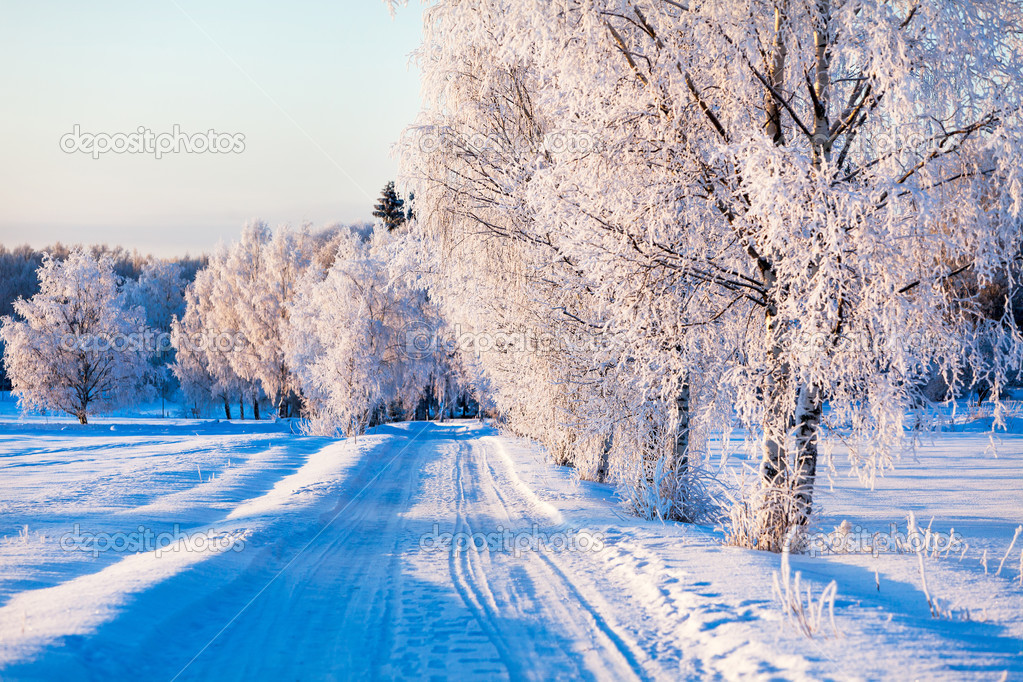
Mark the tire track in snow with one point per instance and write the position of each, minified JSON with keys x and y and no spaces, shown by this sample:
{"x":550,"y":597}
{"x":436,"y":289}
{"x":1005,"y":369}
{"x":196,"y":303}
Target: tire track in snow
{"x":613,"y":636}
{"x":562,"y":603}
{"x":474,"y":591}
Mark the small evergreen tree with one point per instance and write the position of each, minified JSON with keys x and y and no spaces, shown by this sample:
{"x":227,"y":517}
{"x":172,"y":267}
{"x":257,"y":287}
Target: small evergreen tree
{"x":390,"y":208}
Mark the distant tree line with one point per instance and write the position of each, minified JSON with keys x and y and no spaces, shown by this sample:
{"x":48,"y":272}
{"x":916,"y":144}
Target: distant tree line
{"x":310,"y":323}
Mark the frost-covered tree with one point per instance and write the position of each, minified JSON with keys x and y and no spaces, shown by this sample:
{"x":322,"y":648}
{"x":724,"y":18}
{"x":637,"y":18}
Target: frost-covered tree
{"x":556,"y":367}
{"x":238,"y":307}
{"x":202,"y":354}
{"x":160,"y":291}
{"x":262,"y":273}
{"x":75,"y":347}
{"x":349,"y":334}
{"x":753,"y":194}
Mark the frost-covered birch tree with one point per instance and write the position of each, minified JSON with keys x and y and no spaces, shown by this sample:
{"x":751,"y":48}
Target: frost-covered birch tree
{"x":348,"y":338}
{"x":238,"y":307}
{"x":75,"y":347}
{"x":160,"y":291}
{"x":260,"y":278}
{"x":756,"y":193}
{"x":203,"y":340}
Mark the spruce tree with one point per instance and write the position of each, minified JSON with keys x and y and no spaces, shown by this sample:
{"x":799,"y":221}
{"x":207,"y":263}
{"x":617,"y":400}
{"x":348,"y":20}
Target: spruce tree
{"x":390,"y":208}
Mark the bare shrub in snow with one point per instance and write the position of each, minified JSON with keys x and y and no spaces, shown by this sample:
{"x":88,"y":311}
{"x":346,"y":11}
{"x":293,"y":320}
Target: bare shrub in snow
{"x":802,"y":609}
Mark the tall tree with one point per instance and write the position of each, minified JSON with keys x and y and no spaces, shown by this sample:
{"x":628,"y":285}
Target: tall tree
{"x":751,"y":193}
{"x":204,"y":341}
{"x":348,"y":340}
{"x":239,"y":307}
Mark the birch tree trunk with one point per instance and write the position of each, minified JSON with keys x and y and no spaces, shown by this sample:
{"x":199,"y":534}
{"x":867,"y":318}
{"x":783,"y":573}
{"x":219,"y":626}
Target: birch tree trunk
{"x":776,"y":76}
{"x":680,"y":459}
{"x":788,"y":469}
{"x":604,"y":461}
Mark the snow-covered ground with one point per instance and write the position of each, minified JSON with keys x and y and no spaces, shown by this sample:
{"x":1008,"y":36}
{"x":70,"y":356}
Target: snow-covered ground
{"x":448,"y":551}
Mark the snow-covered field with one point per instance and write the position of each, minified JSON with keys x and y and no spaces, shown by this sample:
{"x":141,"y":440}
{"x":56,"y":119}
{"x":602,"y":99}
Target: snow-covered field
{"x":447,"y":551}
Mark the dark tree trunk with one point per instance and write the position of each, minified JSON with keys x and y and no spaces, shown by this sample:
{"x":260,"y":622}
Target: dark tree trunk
{"x":791,"y":423}
{"x":604,"y":463}
{"x":680,"y":463}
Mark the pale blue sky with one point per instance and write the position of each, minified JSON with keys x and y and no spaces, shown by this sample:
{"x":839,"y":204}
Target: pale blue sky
{"x":320,"y":90}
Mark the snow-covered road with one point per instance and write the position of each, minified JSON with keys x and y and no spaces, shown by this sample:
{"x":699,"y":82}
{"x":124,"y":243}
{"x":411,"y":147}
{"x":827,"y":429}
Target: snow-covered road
{"x":419,"y":551}
{"x":394,"y":579}
{"x":367,"y":596}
